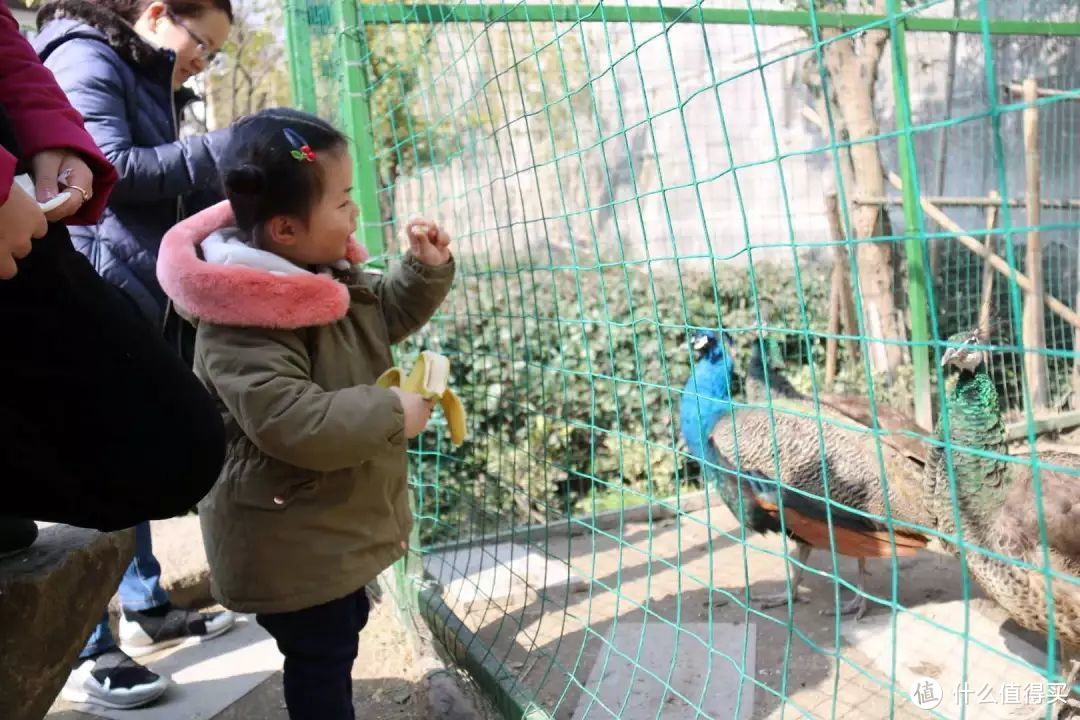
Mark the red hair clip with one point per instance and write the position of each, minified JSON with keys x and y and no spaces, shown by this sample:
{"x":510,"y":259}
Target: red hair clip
{"x":301,"y":150}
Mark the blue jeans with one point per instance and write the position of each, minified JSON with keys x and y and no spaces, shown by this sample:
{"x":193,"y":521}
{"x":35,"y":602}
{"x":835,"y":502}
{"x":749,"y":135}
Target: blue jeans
{"x":140,"y":589}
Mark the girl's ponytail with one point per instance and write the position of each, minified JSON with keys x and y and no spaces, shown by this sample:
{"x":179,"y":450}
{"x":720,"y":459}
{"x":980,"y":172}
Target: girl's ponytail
{"x":245,"y":179}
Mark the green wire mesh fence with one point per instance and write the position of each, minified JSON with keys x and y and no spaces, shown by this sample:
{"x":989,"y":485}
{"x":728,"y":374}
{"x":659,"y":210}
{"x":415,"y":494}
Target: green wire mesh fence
{"x":842,"y":187}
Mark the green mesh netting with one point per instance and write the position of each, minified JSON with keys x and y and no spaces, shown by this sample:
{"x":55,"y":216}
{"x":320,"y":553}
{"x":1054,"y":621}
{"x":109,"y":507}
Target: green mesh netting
{"x":617,"y":177}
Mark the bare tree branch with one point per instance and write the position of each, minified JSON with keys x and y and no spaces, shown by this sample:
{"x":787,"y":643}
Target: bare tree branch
{"x":875,"y":46}
{"x":871,"y":56}
{"x":837,"y":53}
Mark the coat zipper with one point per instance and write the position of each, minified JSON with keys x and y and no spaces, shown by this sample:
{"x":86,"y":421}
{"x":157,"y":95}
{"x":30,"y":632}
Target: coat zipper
{"x":175,"y":124}
{"x":175,"y":121}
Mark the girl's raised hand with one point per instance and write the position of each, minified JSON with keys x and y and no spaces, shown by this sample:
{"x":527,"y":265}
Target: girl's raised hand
{"x":428,"y":242}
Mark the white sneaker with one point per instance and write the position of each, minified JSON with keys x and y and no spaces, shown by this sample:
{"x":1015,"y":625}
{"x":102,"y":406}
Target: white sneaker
{"x":145,"y":633}
{"x":113,"y":680}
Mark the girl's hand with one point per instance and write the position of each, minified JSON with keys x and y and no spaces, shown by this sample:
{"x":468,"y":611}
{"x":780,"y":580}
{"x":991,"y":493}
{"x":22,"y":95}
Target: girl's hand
{"x":21,"y":220}
{"x":428,"y":242}
{"x":417,"y":411}
{"x":57,"y":170}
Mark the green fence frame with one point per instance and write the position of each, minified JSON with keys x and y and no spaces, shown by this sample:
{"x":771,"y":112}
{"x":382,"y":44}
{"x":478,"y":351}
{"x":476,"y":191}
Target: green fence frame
{"x":452,"y":632}
{"x":358,"y":123}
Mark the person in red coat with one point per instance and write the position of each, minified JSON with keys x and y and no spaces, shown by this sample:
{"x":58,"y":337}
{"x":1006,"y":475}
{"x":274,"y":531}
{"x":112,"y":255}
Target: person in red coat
{"x":101,"y":423}
{"x":52,"y":139}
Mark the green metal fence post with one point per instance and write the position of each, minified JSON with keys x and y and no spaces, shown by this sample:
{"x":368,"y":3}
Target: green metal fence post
{"x":298,"y":46}
{"x":431,"y":13}
{"x":358,"y":128}
{"x":913,"y":246}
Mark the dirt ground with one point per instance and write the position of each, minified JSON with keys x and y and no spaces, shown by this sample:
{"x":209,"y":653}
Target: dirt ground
{"x":664,"y":572}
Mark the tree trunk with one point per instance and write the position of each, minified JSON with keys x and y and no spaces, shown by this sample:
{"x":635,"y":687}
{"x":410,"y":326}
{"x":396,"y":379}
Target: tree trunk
{"x":853,"y":76}
{"x":1076,"y":357}
{"x":387,"y":209}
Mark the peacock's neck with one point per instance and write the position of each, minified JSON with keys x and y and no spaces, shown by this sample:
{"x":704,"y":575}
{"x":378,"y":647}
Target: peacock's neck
{"x":706,"y":402}
{"x":728,"y":488}
{"x":982,"y":482}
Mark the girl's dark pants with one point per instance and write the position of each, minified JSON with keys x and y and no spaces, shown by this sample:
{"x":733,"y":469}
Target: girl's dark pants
{"x":320,"y":644}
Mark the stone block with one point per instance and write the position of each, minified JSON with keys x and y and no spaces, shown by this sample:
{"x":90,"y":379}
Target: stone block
{"x":51,"y":596}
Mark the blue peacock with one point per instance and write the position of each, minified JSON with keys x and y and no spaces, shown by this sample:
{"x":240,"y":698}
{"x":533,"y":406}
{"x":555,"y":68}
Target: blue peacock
{"x":739,"y":440}
{"x":896,"y":429}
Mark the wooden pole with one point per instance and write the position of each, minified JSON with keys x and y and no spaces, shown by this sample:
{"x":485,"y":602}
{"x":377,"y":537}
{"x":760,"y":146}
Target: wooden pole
{"x":846,"y":307}
{"x":1054,"y":423}
{"x":1034,"y":311}
{"x":1063,"y":311}
{"x":1018,"y":89}
{"x":936,"y":246}
{"x":973,"y":201}
{"x":834,"y":326}
{"x":832,"y":210}
{"x":1076,"y":358}
{"x":848,"y":322}
{"x":986,"y":297}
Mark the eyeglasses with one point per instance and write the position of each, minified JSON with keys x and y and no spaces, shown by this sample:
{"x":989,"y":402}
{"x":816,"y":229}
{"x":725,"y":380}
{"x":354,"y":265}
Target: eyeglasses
{"x":200,"y":44}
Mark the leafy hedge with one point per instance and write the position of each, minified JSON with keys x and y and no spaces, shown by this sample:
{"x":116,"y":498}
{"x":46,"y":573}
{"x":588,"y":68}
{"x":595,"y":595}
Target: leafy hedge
{"x":571,"y":380}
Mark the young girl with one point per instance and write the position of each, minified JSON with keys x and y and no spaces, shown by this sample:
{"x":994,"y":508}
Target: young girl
{"x":312,"y":501}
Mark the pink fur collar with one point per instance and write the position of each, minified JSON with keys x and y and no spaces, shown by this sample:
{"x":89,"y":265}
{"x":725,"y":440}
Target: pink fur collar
{"x":244,"y":296}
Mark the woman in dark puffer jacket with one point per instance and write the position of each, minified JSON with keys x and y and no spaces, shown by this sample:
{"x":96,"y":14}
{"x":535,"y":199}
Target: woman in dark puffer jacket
{"x":122,"y":64}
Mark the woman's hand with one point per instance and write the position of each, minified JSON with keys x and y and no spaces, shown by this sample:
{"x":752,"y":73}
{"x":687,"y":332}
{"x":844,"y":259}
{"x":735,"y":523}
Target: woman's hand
{"x":428,"y":242}
{"x":21,"y":220}
{"x":57,"y":170}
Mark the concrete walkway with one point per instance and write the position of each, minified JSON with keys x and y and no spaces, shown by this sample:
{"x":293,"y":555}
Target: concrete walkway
{"x":207,"y":677}
{"x":237,"y":677}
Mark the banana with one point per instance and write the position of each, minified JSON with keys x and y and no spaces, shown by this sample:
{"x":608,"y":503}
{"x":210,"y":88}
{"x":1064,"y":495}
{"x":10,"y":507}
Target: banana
{"x":428,"y":379}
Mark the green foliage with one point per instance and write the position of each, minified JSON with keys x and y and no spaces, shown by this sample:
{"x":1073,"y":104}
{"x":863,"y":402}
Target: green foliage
{"x":407,"y":134}
{"x":572,"y":382}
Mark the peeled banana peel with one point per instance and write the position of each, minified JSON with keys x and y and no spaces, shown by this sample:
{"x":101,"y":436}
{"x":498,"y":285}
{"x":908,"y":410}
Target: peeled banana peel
{"x":428,"y":379}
